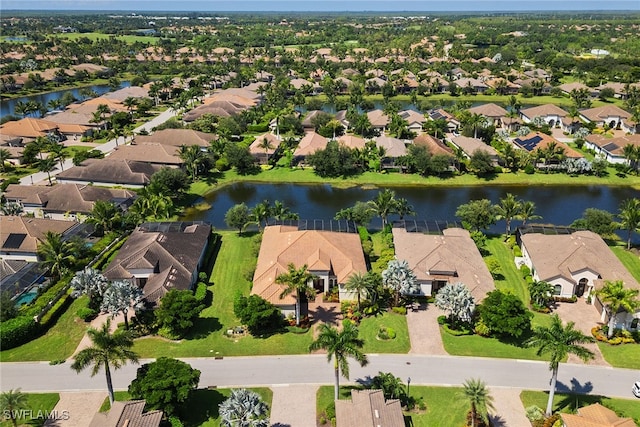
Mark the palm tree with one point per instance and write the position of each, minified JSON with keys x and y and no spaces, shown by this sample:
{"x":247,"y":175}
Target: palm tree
{"x":107,"y":350}
{"x":11,"y":403}
{"x":559,"y":341}
{"x":384,"y":204}
{"x":56,"y":255}
{"x":266,"y":145}
{"x":192,"y":157}
{"x":475,"y":391}
{"x":261,"y":212}
{"x":630,"y":218}
{"x":47,"y":165}
{"x":527,"y":211}
{"x":340,"y":345}
{"x":106,"y":216}
{"x":244,"y":408}
{"x":403,"y":207}
{"x":296,"y":281}
{"x":615,"y":297}
{"x":4,"y":156}
{"x":508,"y":209}
{"x":358,"y":283}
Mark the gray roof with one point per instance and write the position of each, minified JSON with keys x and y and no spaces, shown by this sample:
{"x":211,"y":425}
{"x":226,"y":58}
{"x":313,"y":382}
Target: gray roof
{"x":368,"y":408}
{"x":116,"y":172}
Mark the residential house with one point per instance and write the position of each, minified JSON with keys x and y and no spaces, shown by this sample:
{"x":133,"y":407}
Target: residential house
{"x":368,"y":408}
{"x":65,"y":202}
{"x":448,"y":257}
{"x":14,"y":145}
{"x":414,"y":120}
{"x":21,"y":235}
{"x":574,"y":264}
{"x":470,"y":145}
{"x":378,"y":119}
{"x":541,"y":141}
{"x":120,"y":95}
{"x":30,"y":128}
{"x":611,"y":115}
{"x":612,"y":149}
{"x":434,"y":145}
{"x":330,"y":255}
{"x":567,"y":88}
{"x":553,"y":115}
{"x":341,"y":116}
{"x":161,"y":256}
{"x":307,"y":123}
{"x":472,"y":85}
{"x":262,"y":153}
{"x":127,"y":414}
{"x":309,"y":144}
{"x":178,"y":138}
{"x":393,"y":148}
{"x":595,"y":415}
{"x":452,"y":123}
{"x":109,"y":172}
{"x":149,"y":152}
{"x":491,"y":111}
{"x":351,"y":141}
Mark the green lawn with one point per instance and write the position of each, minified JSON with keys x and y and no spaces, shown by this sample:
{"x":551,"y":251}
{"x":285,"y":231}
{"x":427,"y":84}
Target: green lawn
{"x":569,"y":402}
{"x":621,"y":356}
{"x":96,"y":36}
{"x":59,"y":342}
{"x":201,"y":409}
{"x":369,"y":329}
{"x":40,"y":404}
{"x":207,"y":337}
{"x":477,"y":346}
{"x":630,"y":260}
{"x":444,"y":408}
{"x":511,"y":280}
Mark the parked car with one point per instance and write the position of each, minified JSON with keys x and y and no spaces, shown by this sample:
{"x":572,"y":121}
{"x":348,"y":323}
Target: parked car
{"x":636,"y":389}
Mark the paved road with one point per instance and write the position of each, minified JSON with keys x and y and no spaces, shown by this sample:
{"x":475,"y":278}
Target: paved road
{"x":107,"y":147}
{"x":314,"y":369}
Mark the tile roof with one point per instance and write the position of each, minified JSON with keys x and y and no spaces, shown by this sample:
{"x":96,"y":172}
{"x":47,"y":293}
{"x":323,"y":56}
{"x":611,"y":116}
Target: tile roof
{"x":596,"y":415}
{"x":178,"y":137}
{"x":614,"y":145}
{"x":148,"y":152}
{"x":352,"y":141}
{"x":378,"y":118}
{"x":540,"y":141}
{"x":110,"y":171}
{"x":127,"y":414}
{"x":28,"y":127}
{"x":33,"y":231}
{"x":470,"y":145}
{"x":393,"y":147}
{"x":605,"y":112}
{"x":543,"y":111}
{"x":310,"y":143}
{"x":319,"y":250}
{"x":453,"y":253}
{"x":489,"y":110}
{"x":368,"y":408}
{"x":561,"y":255}
{"x":255,"y":148}
{"x":433,"y":144}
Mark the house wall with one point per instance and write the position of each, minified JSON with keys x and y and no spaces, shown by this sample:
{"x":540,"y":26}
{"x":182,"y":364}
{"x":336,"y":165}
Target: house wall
{"x":623,"y":321}
{"x":21,"y":256}
{"x":567,"y":287}
{"x":103,"y":184}
{"x":611,"y":158}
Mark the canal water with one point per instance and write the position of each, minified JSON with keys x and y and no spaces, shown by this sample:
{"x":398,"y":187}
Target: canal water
{"x":559,"y":205}
{"x":8,"y":106}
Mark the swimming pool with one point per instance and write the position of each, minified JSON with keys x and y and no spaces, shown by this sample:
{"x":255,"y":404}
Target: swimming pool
{"x":26,"y":297}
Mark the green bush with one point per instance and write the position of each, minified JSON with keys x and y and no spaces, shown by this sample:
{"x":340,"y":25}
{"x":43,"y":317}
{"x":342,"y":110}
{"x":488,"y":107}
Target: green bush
{"x":456,"y":332}
{"x":482,"y":329}
{"x":525,"y":271}
{"x":442,"y":320}
{"x":87,"y":314}
{"x":260,"y":127}
{"x":517,"y":251}
{"x":201,"y":292}
{"x":17,"y":331}
{"x":529,"y":169}
{"x":399,"y":310}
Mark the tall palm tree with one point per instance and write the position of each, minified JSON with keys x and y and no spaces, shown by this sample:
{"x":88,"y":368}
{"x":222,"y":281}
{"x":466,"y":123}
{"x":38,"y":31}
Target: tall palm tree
{"x":261,"y":212}
{"x":384,"y":204}
{"x":47,"y":165}
{"x":339,"y":346}
{"x":403,"y":208}
{"x":559,"y":341}
{"x":527,"y":211}
{"x":11,"y":402}
{"x":56,"y":255}
{"x":296,"y":281}
{"x":193,"y":158}
{"x":4,"y":156}
{"x":508,"y":209}
{"x":266,"y":145}
{"x":615,"y":297}
{"x":475,"y":391}
{"x":358,"y":283}
{"x":106,"y":216}
{"x":107,"y":350}
{"x":629,"y":215}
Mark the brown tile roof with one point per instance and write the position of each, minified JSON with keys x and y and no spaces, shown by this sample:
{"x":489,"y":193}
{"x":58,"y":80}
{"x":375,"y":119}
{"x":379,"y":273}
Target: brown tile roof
{"x":319,"y":250}
{"x":596,"y":415}
{"x":127,"y":92}
{"x":368,"y":408}
{"x":148,"y":152}
{"x":378,"y":118}
{"x":80,"y":197}
{"x":33,"y":229}
{"x":172,"y":255}
{"x":351,"y":141}
{"x":393,"y":147}
{"x":255,"y":148}
{"x":489,"y":110}
{"x":614,"y":145}
{"x":28,"y":127}
{"x":412,"y":116}
{"x":452,"y":252}
{"x":543,"y":141}
{"x":27,"y":194}
{"x":560,"y":255}
{"x":543,"y":111}
{"x":178,"y":137}
{"x":310,"y":143}
{"x":127,"y":414}
{"x":110,"y":171}
{"x":433,"y":144}
{"x":604,"y":113}
{"x":470,"y":145}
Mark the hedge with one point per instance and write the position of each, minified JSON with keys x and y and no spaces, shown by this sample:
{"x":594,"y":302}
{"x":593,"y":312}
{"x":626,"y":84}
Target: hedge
{"x":201,"y":292}
{"x":17,"y":331}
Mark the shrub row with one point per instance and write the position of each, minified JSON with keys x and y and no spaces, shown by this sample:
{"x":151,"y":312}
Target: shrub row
{"x":17,"y":331}
{"x":201,"y":292}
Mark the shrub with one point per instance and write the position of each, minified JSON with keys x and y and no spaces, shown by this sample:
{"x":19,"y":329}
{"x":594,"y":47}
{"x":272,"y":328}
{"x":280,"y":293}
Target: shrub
{"x":529,"y":169}
{"x":517,"y":251}
{"x":399,"y":310}
{"x":534,"y":413}
{"x":86,"y":314}
{"x":442,"y":320}
{"x":385,"y":333}
{"x":482,"y":329}
{"x":260,"y":316}
{"x":525,"y":271}
{"x":201,"y":292}
{"x":17,"y":331}
{"x":456,"y":332}
{"x":511,"y":241}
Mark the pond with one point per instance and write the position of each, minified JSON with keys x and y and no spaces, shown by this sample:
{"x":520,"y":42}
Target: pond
{"x":559,"y":205}
{"x":8,"y":106}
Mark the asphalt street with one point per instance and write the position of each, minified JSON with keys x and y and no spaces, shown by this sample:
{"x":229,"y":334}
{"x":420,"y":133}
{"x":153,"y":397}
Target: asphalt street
{"x":314,"y":369}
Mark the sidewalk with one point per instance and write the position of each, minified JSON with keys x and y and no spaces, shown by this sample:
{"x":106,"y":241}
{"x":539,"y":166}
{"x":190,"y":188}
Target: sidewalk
{"x":76,"y":409}
{"x":508,"y":410}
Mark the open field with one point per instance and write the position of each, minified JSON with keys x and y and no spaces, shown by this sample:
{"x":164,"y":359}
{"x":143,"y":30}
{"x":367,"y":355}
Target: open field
{"x":96,"y":36}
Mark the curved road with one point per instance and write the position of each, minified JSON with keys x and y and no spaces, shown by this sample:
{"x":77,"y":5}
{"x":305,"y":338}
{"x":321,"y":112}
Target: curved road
{"x":314,"y":369}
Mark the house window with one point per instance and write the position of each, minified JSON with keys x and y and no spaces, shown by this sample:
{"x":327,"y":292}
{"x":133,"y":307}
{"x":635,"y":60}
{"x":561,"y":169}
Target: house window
{"x":634,"y":323}
{"x":557,"y":289}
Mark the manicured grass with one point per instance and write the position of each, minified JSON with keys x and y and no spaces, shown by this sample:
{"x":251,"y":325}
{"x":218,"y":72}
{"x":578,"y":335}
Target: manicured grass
{"x":58,"y":343}
{"x":568,"y":403}
{"x":96,"y":36}
{"x":621,"y":356}
{"x":477,"y":346}
{"x":72,"y":150}
{"x":201,"y":409}
{"x":40,"y":405}
{"x":444,"y":407}
{"x":207,"y":337}
{"x":369,"y":329}
{"x":511,"y":279}
{"x":629,"y":259}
